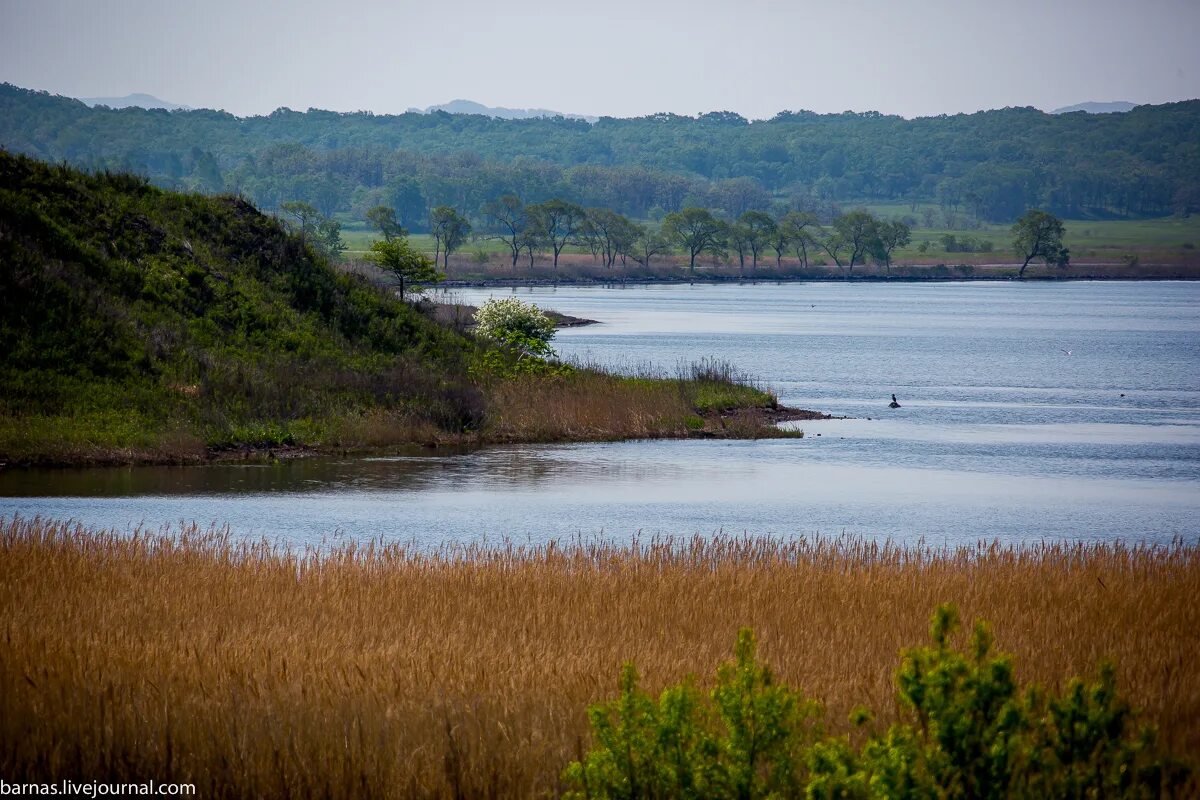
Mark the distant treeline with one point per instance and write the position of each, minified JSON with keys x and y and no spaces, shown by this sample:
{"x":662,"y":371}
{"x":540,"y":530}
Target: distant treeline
{"x":993,"y":165}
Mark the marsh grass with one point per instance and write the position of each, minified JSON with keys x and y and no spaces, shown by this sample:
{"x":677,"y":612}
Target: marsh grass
{"x":587,"y":402}
{"x":587,"y":405}
{"x":380,"y":670}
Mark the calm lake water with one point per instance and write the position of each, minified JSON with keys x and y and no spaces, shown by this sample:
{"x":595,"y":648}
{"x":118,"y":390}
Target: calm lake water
{"x":1002,"y":433}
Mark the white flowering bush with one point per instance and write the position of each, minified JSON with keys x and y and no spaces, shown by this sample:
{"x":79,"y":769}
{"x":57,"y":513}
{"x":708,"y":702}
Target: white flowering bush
{"x":522,"y":326}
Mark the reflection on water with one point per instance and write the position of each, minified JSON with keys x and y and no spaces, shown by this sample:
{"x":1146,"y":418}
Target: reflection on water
{"x":1001,"y":432}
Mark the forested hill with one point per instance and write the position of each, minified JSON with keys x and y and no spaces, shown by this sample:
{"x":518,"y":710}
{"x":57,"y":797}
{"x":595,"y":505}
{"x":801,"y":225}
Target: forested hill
{"x":128,"y":312}
{"x":995,"y":163}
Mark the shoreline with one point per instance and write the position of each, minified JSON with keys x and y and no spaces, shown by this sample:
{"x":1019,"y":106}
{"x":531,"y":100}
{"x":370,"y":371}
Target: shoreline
{"x":662,"y":280}
{"x":749,"y":423}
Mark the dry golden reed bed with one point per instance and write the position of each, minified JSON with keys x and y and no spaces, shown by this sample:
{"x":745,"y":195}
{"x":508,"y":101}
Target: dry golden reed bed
{"x":381,"y":672}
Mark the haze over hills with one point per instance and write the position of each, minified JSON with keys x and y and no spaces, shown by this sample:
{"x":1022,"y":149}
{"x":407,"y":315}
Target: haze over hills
{"x":462,"y":106}
{"x":1092,"y":107}
{"x":138,"y":99}
{"x":500,"y":112}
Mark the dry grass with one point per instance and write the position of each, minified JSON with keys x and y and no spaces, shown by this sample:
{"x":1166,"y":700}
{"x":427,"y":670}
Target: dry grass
{"x":587,"y":405}
{"x":380,"y":428}
{"x":381,"y":672}
{"x":590,"y":403}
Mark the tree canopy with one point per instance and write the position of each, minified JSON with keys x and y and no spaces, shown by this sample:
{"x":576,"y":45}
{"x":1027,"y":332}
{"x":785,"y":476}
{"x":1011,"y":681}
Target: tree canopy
{"x":992,"y":164}
{"x":1039,"y":235}
{"x":450,"y":230}
{"x":401,"y":261}
{"x":697,"y":231}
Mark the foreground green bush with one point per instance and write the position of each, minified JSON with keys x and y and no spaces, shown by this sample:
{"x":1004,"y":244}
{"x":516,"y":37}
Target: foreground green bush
{"x":971,"y":732}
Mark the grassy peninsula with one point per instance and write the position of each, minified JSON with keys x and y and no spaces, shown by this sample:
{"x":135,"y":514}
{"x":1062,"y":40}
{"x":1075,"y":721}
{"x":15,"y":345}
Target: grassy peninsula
{"x":138,"y":324}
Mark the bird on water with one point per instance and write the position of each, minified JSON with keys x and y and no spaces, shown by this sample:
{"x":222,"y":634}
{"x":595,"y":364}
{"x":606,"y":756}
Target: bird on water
{"x":893,"y":404}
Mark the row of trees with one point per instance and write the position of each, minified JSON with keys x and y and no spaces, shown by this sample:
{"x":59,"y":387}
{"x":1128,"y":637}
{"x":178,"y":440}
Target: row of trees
{"x":849,"y":240}
{"x":552,"y":226}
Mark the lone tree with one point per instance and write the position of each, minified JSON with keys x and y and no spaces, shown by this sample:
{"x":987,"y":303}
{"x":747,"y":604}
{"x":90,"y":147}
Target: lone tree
{"x":304,"y":217}
{"x":316,"y":230}
{"x":796,"y":229}
{"x":403,"y":262}
{"x":557,"y":223}
{"x":506,"y":219}
{"x":696,"y":230}
{"x":739,"y":237}
{"x":450,"y":229}
{"x":891,"y":236}
{"x":647,"y":244}
{"x":384,"y":219}
{"x":761,"y":231}
{"x":1038,"y":234}
{"x":859,"y":232}
{"x":608,"y":234}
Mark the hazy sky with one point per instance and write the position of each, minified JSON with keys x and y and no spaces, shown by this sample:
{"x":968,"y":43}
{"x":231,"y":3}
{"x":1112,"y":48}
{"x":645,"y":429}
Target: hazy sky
{"x":613,"y":57}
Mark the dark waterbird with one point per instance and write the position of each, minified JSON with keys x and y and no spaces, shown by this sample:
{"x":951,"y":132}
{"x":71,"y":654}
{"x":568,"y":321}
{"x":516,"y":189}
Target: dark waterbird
{"x":893,"y":404}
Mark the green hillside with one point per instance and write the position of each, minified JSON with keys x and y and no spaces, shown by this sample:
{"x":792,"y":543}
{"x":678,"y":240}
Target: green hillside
{"x":991,"y":164}
{"x":143,"y":324}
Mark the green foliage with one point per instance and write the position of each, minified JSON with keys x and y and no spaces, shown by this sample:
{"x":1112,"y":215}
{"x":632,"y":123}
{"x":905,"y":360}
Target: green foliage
{"x":972,"y":732}
{"x":856,"y":234}
{"x":383,"y":218}
{"x":555,"y":222}
{"x":507,"y":220}
{"x":510,"y":364}
{"x":964,"y":244}
{"x":761,"y":231}
{"x":647,"y":244}
{"x":607,"y":234}
{"x":194,"y":314}
{"x":400,"y":260}
{"x":890,"y":236}
{"x":993,"y":164}
{"x":1038,"y":234}
{"x":744,"y":739}
{"x":797,"y":229}
{"x":517,"y":325}
{"x":697,"y":231}
{"x":323,"y":234}
{"x":450,"y":230}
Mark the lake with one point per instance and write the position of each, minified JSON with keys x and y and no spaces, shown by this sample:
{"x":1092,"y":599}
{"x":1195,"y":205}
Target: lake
{"x":1028,"y":412}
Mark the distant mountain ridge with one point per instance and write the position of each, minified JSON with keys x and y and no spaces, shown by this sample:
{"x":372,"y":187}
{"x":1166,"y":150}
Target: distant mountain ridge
{"x":462,"y":106}
{"x":1111,"y":107}
{"x":471,"y":107}
{"x":138,"y":99}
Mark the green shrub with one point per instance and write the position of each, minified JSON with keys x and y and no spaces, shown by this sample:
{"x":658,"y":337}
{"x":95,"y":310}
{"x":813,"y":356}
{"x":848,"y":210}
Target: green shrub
{"x":745,"y":741}
{"x":970,"y":732}
{"x":523,"y":327}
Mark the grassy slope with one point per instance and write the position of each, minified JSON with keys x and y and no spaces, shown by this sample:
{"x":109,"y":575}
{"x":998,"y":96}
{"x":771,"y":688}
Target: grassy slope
{"x":138,"y":324}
